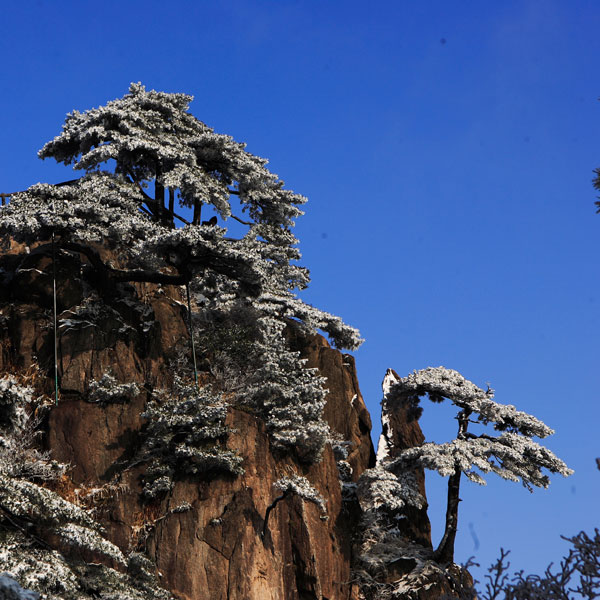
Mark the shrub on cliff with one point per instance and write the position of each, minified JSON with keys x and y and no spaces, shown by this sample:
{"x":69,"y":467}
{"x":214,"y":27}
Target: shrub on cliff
{"x":49,"y":544}
{"x":183,"y":435}
{"x":19,"y":455}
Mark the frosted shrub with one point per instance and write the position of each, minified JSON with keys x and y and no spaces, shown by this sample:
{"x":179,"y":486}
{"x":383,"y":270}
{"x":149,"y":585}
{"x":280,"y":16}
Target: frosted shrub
{"x":107,"y":390}
{"x":290,"y":397}
{"x":184,"y":435}
{"x":380,"y":489}
{"x":51,"y":513}
{"x":14,"y":399}
{"x":227,"y":337}
{"x":293,"y":485}
{"x":384,"y":499}
{"x":341,"y":449}
{"x":301,"y":487}
{"x":19,"y":456}
{"x":249,"y":354}
{"x":53,"y":576}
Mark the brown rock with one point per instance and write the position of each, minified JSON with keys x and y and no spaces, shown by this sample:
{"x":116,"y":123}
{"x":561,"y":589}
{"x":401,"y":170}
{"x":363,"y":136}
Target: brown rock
{"x":399,"y":432}
{"x":219,"y":552}
{"x":214,"y":550}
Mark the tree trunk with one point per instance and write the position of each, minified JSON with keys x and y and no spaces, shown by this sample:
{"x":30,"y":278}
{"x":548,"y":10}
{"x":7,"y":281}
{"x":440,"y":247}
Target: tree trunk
{"x":171,"y":215}
{"x":197,"y":212}
{"x":159,"y":195}
{"x":445,"y":551}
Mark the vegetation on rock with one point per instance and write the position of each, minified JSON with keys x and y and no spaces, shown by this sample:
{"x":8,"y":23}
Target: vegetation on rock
{"x":182,"y":435}
{"x":47,"y":543}
{"x":145,"y":159}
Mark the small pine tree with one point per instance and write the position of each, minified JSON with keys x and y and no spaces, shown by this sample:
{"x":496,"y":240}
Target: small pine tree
{"x":19,"y":435}
{"x":290,"y":398}
{"x":512,"y":455}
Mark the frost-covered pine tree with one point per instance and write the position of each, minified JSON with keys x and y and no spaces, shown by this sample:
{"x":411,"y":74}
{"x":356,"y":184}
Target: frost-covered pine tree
{"x":149,"y":140}
{"x":145,"y":156}
{"x":513,"y":454}
{"x":145,"y":159}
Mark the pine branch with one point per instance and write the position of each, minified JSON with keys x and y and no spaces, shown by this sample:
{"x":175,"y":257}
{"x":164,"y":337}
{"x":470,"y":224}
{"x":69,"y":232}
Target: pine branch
{"x":241,"y":221}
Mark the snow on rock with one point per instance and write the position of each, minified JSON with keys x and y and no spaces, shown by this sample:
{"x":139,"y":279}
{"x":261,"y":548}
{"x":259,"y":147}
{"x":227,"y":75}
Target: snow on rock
{"x":383,"y":446}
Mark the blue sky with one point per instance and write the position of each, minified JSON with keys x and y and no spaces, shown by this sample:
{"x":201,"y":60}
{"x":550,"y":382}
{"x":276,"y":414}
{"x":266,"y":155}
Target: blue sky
{"x":447,"y":152}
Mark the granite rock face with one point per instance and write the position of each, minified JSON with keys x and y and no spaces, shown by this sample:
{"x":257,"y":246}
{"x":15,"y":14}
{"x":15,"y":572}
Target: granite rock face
{"x":215,"y":550}
{"x":204,"y":537}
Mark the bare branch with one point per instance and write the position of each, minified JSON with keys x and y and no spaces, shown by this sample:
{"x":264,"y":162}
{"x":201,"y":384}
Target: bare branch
{"x":241,"y":221}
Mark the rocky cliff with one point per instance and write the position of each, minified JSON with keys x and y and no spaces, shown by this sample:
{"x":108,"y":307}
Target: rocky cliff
{"x":204,"y":539}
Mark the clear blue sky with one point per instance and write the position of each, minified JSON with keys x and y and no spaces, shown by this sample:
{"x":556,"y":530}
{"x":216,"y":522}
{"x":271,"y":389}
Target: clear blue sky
{"x":446,"y":149}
